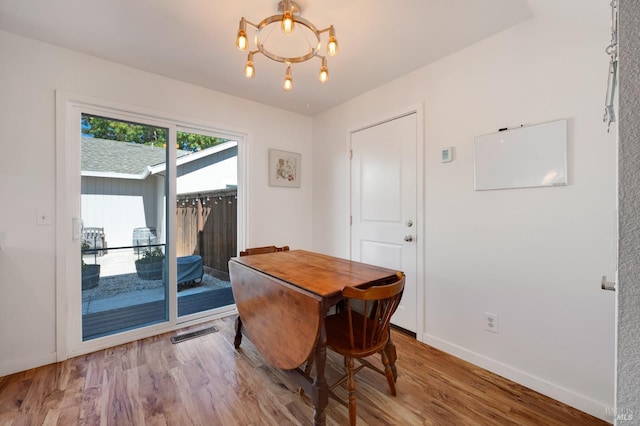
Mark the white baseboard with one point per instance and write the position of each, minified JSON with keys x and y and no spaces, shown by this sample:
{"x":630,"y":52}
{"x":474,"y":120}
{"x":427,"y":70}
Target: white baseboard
{"x":25,"y":363}
{"x":549,"y":389}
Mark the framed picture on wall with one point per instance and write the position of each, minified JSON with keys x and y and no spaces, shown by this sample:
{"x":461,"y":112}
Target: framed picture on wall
{"x":284,"y":168}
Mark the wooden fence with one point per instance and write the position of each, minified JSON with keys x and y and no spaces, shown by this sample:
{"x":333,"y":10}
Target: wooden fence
{"x":208,"y":226}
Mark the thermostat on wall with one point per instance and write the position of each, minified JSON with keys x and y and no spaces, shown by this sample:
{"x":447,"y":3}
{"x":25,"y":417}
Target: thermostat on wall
{"x":446,"y":155}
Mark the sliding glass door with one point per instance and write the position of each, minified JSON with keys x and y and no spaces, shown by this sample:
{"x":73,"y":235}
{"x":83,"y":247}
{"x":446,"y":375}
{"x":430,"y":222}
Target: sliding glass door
{"x":156,"y":210}
{"x":124,"y":181}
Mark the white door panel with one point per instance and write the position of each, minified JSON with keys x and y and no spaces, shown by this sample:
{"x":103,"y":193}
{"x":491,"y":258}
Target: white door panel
{"x":379,"y":174}
{"x":384,"y":203}
{"x":381,"y":254}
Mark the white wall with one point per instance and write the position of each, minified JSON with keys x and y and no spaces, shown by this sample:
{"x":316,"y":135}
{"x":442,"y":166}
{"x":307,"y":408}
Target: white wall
{"x":30,"y":72}
{"x":533,"y":256}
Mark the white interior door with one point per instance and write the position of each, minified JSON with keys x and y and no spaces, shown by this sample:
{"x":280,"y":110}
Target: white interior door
{"x":384,"y":220}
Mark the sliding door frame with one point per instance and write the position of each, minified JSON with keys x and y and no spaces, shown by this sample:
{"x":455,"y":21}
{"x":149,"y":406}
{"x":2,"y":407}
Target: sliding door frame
{"x":69,"y":108}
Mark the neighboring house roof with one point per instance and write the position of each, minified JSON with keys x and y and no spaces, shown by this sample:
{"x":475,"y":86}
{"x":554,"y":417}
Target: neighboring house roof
{"x":107,"y":158}
{"x":125,"y":160}
{"x":195,"y":156}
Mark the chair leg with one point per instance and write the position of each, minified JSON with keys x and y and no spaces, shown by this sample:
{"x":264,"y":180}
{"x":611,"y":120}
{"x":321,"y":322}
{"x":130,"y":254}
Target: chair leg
{"x":352,"y":392}
{"x":388,"y":372}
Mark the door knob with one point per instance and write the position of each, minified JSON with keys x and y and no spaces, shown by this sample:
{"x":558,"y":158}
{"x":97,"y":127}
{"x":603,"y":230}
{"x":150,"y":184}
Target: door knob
{"x":408,"y":238}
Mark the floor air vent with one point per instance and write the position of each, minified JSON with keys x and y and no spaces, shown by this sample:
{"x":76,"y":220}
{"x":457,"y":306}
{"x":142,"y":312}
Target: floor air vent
{"x":193,"y":334}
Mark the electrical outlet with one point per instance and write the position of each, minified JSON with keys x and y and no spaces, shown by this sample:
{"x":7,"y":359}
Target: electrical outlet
{"x":491,"y":322}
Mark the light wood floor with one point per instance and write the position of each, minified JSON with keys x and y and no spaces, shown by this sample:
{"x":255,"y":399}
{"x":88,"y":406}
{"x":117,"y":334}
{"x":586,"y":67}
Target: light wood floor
{"x":204,"y":381}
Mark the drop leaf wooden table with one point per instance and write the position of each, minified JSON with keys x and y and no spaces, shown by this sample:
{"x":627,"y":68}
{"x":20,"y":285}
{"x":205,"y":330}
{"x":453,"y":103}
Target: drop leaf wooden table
{"x":283,"y":299}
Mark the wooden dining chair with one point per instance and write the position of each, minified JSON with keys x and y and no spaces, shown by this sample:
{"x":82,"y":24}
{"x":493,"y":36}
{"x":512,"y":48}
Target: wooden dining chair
{"x":362,"y":329}
{"x":262,"y":250}
{"x":249,"y":252}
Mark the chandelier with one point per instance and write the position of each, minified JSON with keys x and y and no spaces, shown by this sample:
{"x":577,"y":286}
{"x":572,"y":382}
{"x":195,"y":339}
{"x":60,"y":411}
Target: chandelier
{"x":291,"y":50}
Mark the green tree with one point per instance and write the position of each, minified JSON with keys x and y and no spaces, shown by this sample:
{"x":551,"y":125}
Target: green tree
{"x":105,"y":128}
{"x":196,"y":142}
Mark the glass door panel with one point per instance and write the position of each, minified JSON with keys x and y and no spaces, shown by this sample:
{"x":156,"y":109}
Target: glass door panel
{"x":206,"y":217}
{"x":123,"y":210}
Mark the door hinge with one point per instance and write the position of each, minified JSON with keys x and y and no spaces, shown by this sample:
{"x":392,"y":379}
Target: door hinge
{"x":350,"y":220}
{"x":350,"y":154}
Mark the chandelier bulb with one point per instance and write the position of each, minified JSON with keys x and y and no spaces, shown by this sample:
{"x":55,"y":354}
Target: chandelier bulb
{"x":249,"y":71}
{"x":241,"y":40}
{"x":332,"y":45}
{"x":287,"y":22}
{"x":324,"y":75}
{"x":288,"y":82}
{"x":324,"y":72}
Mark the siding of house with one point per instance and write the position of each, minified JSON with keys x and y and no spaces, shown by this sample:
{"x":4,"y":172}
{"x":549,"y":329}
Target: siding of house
{"x":119,"y":206}
{"x":196,"y":176}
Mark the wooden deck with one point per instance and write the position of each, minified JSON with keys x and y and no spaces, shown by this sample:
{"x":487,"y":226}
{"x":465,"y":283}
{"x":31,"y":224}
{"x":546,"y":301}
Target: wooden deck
{"x":100,"y":324}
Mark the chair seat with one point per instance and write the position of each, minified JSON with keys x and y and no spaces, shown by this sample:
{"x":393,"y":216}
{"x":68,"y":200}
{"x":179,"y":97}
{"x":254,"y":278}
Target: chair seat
{"x":338,"y":338}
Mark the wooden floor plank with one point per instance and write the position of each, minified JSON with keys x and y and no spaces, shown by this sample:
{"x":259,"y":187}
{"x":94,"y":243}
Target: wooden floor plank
{"x":205,"y":381}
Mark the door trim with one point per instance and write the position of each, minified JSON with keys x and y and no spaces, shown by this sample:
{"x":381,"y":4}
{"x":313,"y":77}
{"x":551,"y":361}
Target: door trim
{"x":418,"y":109}
{"x":68,"y":203}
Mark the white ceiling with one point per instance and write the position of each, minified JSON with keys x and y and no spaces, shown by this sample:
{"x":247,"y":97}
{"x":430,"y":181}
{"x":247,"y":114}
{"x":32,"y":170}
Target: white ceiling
{"x":194,"y":40}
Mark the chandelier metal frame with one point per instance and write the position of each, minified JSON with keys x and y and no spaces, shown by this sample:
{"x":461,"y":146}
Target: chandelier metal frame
{"x":287,"y":60}
{"x":289,"y":17}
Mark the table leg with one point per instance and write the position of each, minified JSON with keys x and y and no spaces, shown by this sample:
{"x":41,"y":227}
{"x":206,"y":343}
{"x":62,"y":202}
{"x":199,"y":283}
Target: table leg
{"x":238,"y":339}
{"x":320,"y":395}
